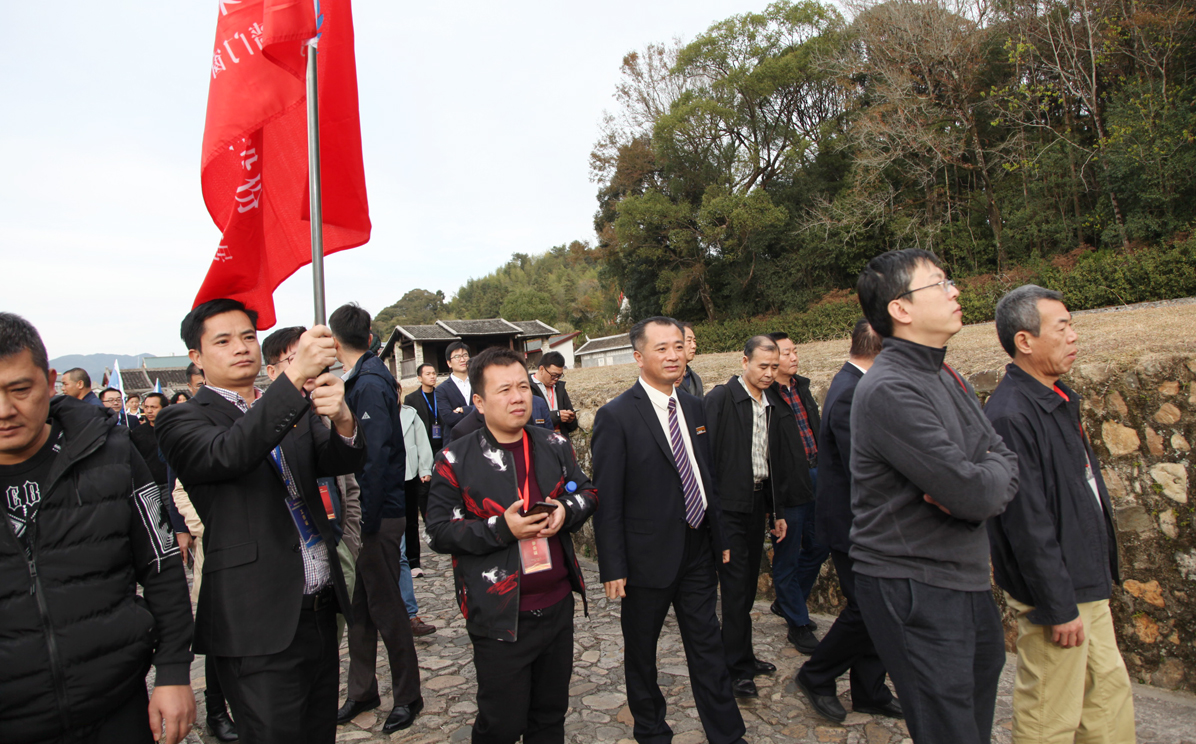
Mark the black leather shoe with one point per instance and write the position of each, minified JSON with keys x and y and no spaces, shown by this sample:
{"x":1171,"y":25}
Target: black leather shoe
{"x":775,"y":609}
{"x":827,"y":706}
{"x":891,"y":709}
{"x":744,"y":688}
{"x":803,"y":639}
{"x":222,"y":727}
{"x":353,"y":708}
{"x":402,"y":716}
{"x":763,"y":667}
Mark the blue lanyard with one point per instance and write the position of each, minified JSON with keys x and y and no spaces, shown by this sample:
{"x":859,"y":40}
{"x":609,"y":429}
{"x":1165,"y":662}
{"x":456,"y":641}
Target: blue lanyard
{"x":434,"y":405}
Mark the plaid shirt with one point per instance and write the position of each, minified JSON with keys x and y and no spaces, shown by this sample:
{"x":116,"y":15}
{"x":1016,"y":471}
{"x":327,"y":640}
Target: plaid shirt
{"x":317,"y":574}
{"x":789,"y":393}
{"x":759,"y":435}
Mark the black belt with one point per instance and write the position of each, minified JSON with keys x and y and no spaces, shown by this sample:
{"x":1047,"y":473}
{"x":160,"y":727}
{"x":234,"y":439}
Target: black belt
{"x":761,"y":485}
{"x":321,"y":599}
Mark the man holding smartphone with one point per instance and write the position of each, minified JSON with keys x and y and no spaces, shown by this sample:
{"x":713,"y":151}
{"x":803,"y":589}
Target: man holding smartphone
{"x":504,"y":500}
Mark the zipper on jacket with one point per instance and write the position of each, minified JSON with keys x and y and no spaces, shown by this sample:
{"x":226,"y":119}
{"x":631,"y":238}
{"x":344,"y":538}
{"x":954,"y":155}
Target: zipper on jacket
{"x":51,"y":641}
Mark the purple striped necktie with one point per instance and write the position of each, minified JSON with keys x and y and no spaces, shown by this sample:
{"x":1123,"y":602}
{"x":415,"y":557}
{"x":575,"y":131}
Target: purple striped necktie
{"x":694,"y":510}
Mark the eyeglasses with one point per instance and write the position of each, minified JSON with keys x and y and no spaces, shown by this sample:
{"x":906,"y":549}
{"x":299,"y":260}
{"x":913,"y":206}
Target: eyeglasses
{"x":555,"y":375}
{"x":288,"y":359}
{"x":459,"y":357}
{"x":946,"y":284}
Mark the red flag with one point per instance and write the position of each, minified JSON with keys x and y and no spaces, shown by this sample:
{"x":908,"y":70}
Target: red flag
{"x":254,"y":168}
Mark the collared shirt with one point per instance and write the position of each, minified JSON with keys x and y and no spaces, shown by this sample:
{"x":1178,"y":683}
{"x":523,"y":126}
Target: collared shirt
{"x":759,"y":434}
{"x":789,"y":393}
{"x":317,"y":574}
{"x":463,"y":386}
{"x":861,"y":369}
{"x":660,"y":404}
{"x":549,"y":393}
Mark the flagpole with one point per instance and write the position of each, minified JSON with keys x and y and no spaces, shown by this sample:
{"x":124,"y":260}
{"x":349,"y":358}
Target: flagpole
{"x":313,"y":177}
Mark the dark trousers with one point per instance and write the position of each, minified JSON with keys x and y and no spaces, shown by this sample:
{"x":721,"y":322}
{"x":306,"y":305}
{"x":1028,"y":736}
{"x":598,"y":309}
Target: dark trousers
{"x":739,"y":579}
{"x":692,"y":595}
{"x":944,"y":650}
{"x":213,"y":696}
{"x":414,"y":489}
{"x":845,"y":646}
{"x":378,"y":609}
{"x":289,"y":697}
{"x":796,"y":561}
{"x":523,"y":687}
{"x":128,"y":723}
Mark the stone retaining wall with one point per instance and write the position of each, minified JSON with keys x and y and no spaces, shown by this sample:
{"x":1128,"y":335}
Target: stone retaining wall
{"x":1141,"y":417}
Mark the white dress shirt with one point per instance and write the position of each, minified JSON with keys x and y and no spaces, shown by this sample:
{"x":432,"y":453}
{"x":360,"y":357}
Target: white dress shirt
{"x":463,"y":386}
{"x":660,"y":404}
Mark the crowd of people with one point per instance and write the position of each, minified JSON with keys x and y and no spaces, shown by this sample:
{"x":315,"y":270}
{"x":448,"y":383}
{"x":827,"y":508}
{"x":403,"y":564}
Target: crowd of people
{"x":298,"y":509}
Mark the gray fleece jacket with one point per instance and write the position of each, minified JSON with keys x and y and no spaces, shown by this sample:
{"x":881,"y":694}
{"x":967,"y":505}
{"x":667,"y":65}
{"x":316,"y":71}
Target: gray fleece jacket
{"x":917,"y":429}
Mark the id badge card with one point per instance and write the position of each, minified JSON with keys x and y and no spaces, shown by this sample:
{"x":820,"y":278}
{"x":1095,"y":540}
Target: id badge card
{"x":534,"y":555}
{"x":436,"y":432}
{"x":303,"y":521}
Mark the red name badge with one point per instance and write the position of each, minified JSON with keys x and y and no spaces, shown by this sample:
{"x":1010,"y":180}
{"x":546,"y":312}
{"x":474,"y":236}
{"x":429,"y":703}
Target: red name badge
{"x":534,"y":555}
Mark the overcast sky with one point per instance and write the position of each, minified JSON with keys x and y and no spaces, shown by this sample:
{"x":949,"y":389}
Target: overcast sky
{"x":477,"y":118}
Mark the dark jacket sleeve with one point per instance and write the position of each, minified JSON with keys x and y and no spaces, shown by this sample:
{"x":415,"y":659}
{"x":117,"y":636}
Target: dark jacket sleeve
{"x":608,"y":447}
{"x":1028,"y":523}
{"x":908,"y":432}
{"x":451,"y":527}
{"x":580,"y":504}
{"x":564,"y":402}
{"x":159,"y":571}
{"x":448,"y":418}
{"x":713,"y":403}
{"x":376,"y":430}
{"x":201,"y":452}
{"x":839,"y":424}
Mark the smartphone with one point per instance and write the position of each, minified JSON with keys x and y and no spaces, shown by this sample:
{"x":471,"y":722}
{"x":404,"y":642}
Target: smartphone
{"x":540,"y":507}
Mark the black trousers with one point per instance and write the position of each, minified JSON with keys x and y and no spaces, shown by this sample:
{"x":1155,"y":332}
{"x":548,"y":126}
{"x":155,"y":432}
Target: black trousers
{"x":739,"y":580}
{"x":523,"y":687}
{"x":845,"y":646}
{"x":692,"y":595}
{"x":213,"y":696}
{"x":414,"y":489}
{"x":289,"y":697}
{"x":944,"y":650}
{"x":378,"y":609}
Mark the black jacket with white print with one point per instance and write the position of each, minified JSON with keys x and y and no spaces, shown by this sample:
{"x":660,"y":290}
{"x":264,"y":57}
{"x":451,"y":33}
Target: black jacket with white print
{"x":473,"y":483}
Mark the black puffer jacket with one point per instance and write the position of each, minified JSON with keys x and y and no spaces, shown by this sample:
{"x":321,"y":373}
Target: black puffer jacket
{"x":473,"y":483}
{"x":75,"y":639}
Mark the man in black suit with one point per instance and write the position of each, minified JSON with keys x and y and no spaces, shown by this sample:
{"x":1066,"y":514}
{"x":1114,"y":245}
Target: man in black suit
{"x":249,"y":461}
{"x":549,"y":387}
{"x":424,"y":403}
{"x":847,"y":644}
{"x":659,"y":534}
{"x":454,"y":396}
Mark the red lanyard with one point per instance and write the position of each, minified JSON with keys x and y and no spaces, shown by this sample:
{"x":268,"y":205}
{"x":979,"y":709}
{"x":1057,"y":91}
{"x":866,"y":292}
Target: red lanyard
{"x":526,"y":493}
{"x":1063,"y":395}
{"x":551,"y":391}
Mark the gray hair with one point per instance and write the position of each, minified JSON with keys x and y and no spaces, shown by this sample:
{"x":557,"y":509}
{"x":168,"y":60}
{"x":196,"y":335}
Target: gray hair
{"x":763,"y":343}
{"x":1018,"y":311}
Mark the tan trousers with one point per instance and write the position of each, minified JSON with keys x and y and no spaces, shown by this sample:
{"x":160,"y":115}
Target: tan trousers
{"x":1066,"y":695}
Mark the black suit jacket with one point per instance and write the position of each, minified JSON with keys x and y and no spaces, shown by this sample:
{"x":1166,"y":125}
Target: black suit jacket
{"x":253,"y":579}
{"x":417,"y":401}
{"x":640,"y":523}
{"x":832,"y":515}
{"x":449,"y":397}
{"x":562,"y":404}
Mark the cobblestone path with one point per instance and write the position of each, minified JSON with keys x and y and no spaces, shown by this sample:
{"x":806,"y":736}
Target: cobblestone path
{"x":597,"y":693}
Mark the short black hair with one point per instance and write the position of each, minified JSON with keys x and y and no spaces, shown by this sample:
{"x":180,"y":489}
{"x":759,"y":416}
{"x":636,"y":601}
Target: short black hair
{"x":455,"y":346}
{"x":350,"y":323}
{"x":74,"y":374}
{"x":495,"y":356}
{"x":553,"y":359}
{"x":884,"y":279}
{"x":193,"y":370}
{"x":687,"y":324}
{"x":180,"y":394}
{"x":277,"y":343}
{"x":865,"y":342}
{"x":1018,"y":311}
{"x":636,"y":334}
{"x":420,"y":369}
{"x":162,"y":399}
{"x":131,"y":396}
{"x":17,"y":335}
{"x":762,"y":343}
{"x":107,"y":390}
{"x":192,"y":327}
{"x":778,"y":336}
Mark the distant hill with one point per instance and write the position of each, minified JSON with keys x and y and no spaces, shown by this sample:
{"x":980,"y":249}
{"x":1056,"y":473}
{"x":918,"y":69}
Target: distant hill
{"x":96,"y":363}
